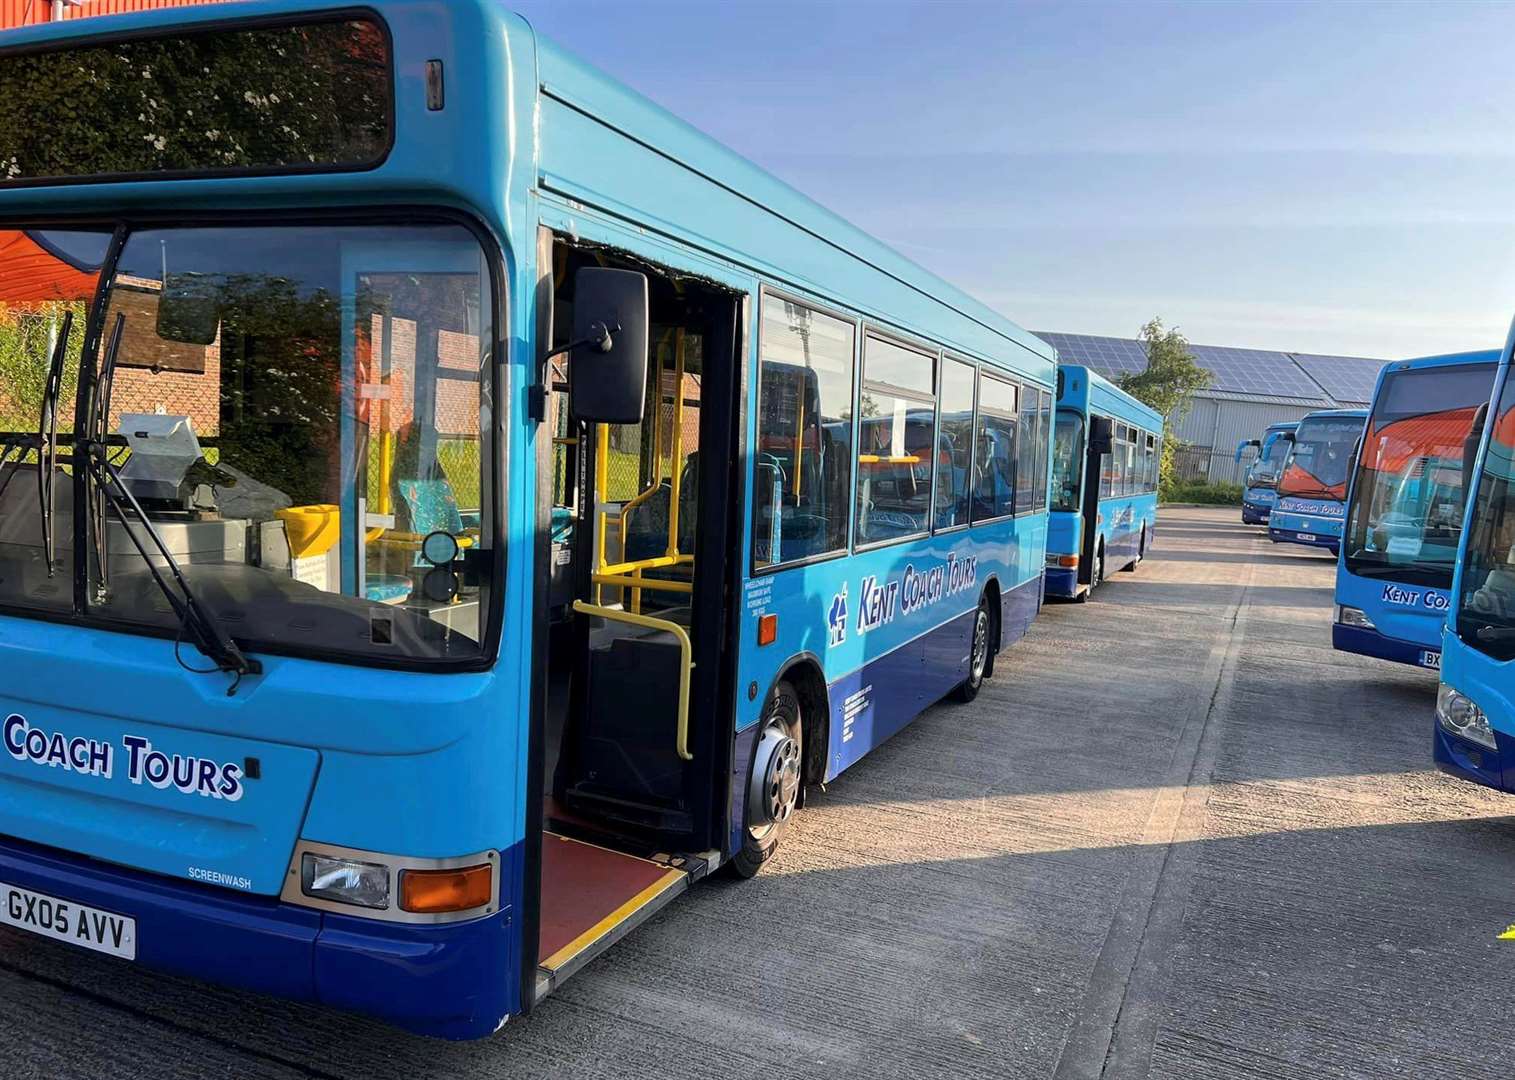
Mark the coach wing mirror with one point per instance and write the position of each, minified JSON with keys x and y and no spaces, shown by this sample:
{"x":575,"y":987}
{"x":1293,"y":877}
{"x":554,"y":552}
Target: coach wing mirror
{"x":607,"y":372}
{"x":1470,"y":448}
{"x":1241,"y":448}
{"x":1101,"y":434}
{"x":189,"y":309}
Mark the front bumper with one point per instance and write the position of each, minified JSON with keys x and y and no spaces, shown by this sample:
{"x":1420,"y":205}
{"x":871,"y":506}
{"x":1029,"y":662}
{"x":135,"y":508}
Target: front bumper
{"x":1062,"y":582}
{"x":453,"y":981}
{"x":1255,"y":515}
{"x":1297,"y":536}
{"x":1365,"y":642}
{"x":1471,"y":762}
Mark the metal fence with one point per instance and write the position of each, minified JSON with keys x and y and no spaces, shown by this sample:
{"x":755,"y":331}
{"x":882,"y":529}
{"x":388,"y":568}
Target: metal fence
{"x":1208,"y":465}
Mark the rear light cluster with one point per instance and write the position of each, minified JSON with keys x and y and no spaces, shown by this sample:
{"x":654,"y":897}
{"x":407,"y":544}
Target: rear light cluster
{"x":1062,"y":562}
{"x":395,"y":888}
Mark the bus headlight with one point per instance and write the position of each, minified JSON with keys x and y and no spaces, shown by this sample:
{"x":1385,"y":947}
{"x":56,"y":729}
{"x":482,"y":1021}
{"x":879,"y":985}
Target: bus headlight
{"x":345,"y":881}
{"x":1351,"y":616}
{"x":1457,"y":713}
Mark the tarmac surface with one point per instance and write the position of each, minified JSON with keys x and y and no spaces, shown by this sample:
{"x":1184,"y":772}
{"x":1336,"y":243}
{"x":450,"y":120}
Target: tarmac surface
{"x":1176,"y":836}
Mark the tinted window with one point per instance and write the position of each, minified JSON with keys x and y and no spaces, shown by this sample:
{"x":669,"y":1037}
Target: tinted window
{"x":315,"y":95}
{"x":1405,"y":519}
{"x":1068,"y":462}
{"x":1026,"y":453}
{"x":1486,"y":609}
{"x":1043,"y":422}
{"x":994,"y":448}
{"x":897,"y":419}
{"x":954,"y":461}
{"x":803,"y":472}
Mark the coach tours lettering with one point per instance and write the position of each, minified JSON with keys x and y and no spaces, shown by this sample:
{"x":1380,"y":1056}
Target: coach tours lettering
{"x":914,"y":590}
{"x":143,"y":763}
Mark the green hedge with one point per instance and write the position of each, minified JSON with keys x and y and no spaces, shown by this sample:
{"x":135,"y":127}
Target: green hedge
{"x":1208,"y":494}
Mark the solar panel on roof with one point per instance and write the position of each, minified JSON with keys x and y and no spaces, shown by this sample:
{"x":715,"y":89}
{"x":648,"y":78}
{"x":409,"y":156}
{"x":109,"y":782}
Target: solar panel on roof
{"x":1259,"y":372}
{"x":1346,"y":378}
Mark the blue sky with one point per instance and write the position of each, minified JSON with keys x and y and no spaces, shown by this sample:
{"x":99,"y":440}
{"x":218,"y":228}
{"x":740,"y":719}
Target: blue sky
{"x":1321,"y":178}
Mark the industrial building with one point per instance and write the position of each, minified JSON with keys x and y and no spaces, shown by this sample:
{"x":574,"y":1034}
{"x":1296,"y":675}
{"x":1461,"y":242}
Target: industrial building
{"x":1249,"y":389}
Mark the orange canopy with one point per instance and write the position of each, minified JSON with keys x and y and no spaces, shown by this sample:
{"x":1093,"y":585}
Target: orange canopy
{"x":1391,"y":447}
{"x":29,"y":273}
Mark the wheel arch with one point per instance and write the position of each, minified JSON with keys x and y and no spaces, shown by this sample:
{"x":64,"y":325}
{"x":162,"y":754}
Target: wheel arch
{"x":803,"y":671}
{"x":995,"y":597}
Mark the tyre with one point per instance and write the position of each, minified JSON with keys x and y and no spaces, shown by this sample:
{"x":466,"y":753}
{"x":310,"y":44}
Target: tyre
{"x":773,"y":782}
{"x":978,"y":653}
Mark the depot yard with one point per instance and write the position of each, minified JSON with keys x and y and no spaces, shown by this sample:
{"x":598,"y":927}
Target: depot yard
{"x":1176,"y":835}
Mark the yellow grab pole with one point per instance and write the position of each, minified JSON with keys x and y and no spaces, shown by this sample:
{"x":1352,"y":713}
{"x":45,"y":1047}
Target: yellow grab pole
{"x":686,"y":661}
{"x":601,"y":482}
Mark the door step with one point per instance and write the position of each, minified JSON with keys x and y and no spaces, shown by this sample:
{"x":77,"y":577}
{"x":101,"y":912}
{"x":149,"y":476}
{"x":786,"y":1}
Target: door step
{"x":591,"y":898}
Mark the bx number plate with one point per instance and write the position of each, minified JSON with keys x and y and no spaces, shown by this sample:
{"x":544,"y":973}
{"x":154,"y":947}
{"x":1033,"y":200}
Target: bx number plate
{"x":1430,"y":659}
{"x":1305,"y":536}
{"x":66,"y":921}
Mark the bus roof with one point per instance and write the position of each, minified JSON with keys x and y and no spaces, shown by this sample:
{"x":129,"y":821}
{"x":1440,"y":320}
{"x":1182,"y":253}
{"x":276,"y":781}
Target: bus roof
{"x":1084,"y":386}
{"x":1474,"y":356}
{"x":1282,"y":425}
{"x":1333,"y":414}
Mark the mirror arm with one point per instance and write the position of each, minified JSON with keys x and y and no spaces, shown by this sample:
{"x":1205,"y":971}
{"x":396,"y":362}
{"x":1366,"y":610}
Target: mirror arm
{"x":600,"y":337}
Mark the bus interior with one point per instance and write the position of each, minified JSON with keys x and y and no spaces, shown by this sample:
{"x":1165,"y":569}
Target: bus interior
{"x":633,"y":753}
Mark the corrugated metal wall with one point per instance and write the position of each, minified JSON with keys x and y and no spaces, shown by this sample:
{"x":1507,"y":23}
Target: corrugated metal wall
{"x":1212,"y":428}
{"x":28,"y":12}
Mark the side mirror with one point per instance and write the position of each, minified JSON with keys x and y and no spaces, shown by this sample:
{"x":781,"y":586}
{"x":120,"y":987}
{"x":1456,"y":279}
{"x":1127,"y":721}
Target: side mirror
{"x":1242,"y":446}
{"x":1286,"y":436}
{"x":1101,"y":434}
{"x":608,"y":372}
{"x":189,"y":309}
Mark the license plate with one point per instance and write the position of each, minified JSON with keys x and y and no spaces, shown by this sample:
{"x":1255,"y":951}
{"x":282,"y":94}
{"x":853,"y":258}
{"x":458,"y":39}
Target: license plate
{"x":1305,"y":536}
{"x":1430,"y":659}
{"x":66,"y":921}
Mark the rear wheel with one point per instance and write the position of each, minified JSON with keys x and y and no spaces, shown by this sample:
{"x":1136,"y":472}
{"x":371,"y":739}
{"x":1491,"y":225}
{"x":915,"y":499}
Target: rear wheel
{"x":978,"y":653}
{"x":773,"y":784}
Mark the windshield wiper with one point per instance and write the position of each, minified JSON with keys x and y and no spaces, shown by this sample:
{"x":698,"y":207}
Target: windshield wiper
{"x":47,"y":437}
{"x":1494,"y":633}
{"x":211,"y":638}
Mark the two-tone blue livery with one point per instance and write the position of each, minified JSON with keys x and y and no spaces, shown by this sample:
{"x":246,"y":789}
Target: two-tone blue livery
{"x":454,"y":505}
{"x":1260,"y":484}
{"x":1474,"y":735}
{"x":1312,"y":490}
{"x":1406,"y":505}
{"x":1107,"y":453}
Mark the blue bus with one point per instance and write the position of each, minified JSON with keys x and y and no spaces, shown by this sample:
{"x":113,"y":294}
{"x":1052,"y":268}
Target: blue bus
{"x":1107,"y":450}
{"x":1260,"y":485}
{"x":1312,"y":489}
{"x":1475,"y":703}
{"x":1405,"y":507}
{"x":458,"y":506}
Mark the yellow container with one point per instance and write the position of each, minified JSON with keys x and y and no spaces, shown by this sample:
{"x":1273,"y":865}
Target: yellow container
{"x":312,"y":530}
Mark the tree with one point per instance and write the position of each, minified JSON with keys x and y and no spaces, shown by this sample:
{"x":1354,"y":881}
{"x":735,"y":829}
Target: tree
{"x":1167,"y":385}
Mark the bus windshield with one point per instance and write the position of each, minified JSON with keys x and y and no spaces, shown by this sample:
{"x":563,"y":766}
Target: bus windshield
{"x":1322,"y":458}
{"x":1067,"y":461}
{"x":1264,"y":470}
{"x":1486,"y":608}
{"x":296,"y":408}
{"x":1407,"y":503}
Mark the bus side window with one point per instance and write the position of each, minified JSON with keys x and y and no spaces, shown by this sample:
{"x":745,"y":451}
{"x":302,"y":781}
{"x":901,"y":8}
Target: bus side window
{"x":895,"y":436}
{"x":802,"y":460}
{"x":954,"y":465}
{"x":994,"y":449}
{"x":1043,"y":432}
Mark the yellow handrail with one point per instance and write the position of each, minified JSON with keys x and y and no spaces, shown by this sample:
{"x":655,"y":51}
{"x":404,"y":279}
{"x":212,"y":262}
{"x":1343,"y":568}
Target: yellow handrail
{"x":630,"y":581}
{"x":686,"y":660}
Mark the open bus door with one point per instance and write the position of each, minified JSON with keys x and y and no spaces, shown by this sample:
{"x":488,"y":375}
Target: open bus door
{"x":1101,"y":438}
{"x":634,"y":755}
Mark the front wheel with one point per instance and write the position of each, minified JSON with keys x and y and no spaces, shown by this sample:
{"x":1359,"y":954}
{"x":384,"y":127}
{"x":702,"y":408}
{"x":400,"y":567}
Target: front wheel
{"x":978,"y":654}
{"x":773,"y":784}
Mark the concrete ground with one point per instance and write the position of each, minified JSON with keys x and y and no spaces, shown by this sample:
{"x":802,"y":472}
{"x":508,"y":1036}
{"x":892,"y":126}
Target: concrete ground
{"x":1176,"y":836}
